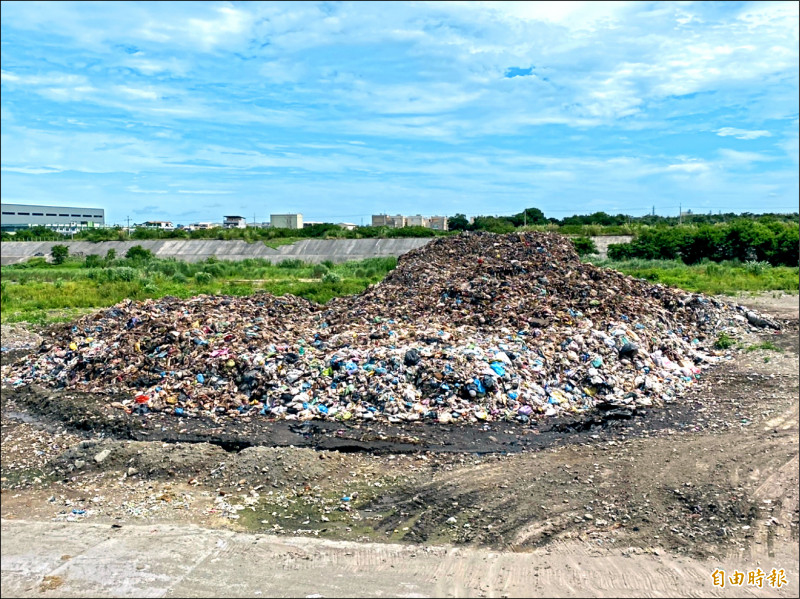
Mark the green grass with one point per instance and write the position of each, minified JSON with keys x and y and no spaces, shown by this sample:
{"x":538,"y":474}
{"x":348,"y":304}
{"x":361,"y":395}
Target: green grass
{"x":724,"y":278}
{"x":43,"y":293}
{"x":766,"y":345}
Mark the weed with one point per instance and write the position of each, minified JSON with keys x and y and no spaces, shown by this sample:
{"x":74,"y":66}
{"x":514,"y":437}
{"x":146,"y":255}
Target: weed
{"x":724,"y":341}
{"x":766,"y":345}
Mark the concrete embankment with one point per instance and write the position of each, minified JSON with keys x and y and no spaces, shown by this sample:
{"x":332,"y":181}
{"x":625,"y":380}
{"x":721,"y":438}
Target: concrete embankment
{"x":196,"y":250}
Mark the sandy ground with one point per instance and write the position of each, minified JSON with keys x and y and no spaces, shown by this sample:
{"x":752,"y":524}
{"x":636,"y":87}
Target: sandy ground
{"x":645,"y":507}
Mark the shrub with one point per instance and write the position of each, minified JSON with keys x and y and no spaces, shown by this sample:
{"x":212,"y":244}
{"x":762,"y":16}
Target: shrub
{"x":93,"y":261}
{"x":122,"y":273}
{"x":60,"y":253}
{"x":138,"y":253}
{"x":202,"y":277}
{"x":291,"y":263}
{"x":331,"y":277}
{"x":319,"y":270}
{"x":584,"y":246}
{"x":756,"y":267}
{"x":180,"y":278}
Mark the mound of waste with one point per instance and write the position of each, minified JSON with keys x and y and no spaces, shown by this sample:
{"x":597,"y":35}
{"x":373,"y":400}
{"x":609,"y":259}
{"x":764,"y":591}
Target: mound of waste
{"x":476,"y":327}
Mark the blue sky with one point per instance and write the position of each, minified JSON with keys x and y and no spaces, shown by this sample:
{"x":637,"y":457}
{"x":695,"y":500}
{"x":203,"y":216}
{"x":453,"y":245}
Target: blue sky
{"x":187,"y":111}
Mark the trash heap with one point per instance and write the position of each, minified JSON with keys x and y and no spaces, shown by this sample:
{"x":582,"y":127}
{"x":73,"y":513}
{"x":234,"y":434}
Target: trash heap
{"x":475,"y":327}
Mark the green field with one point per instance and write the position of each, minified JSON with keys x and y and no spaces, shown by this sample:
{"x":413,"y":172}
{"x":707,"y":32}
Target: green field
{"x":714,"y":278}
{"x":39,"y":292}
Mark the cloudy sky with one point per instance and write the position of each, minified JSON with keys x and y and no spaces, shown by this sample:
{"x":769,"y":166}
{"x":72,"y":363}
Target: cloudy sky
{"x":187,"y":111}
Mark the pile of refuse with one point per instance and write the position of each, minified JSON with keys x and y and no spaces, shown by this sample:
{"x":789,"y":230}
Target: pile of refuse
{"x":474,"y":327}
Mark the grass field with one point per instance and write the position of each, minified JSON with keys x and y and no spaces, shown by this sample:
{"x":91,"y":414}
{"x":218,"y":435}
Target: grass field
{"x":41,"y":293}
{"x":723,"y":278}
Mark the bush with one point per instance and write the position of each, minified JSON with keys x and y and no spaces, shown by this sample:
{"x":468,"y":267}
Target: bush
{"x":756,"y":267}
{"x":584,"y":246}
{"x":93,"y":261}
{"x":60,"y":254}
{"x":319,"y":270}
{"x":180,"y":278}
{"x":122,"y":273}
{"x":291,"y":263}
{"x":139,"y":254}
{"x":331,"y":277}
{"x":202,"y":277}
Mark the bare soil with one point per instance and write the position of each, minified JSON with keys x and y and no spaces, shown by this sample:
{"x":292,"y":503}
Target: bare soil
{"x":714,"y":474}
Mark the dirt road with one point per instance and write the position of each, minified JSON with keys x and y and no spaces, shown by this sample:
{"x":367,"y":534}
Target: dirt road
{"x":643,"y":505}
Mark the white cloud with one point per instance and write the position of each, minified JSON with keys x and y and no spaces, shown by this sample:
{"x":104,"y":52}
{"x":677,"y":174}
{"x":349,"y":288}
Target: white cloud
{"x":142,"y":94}
{"x":692,"y":166}
{"x":738,"y":157}
{"x":742,"y":133}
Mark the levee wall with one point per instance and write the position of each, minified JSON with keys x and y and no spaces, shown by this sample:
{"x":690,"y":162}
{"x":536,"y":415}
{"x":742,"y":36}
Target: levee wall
{"x":196,"y":250}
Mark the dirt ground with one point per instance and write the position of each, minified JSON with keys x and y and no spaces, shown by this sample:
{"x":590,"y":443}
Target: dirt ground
{"x":712,"y":476}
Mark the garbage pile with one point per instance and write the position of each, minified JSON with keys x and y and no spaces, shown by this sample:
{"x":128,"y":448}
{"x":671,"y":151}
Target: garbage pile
{"x":476,"y":327}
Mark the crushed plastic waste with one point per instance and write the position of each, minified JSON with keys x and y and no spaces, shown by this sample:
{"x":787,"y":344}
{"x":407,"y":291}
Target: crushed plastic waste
{"x":472,"y":328}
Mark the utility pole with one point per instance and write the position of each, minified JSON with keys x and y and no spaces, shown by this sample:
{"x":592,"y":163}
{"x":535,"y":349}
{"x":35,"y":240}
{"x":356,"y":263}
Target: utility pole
{"x":680,"y":214}
{"x":654,"y":210}
{"x":525,"y":216}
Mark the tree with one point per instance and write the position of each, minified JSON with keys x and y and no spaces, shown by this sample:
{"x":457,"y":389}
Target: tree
{"x":458,"y":222}
{"x":529,"y":216}
{"x":59,"y":253}
{"x":492,"y":224}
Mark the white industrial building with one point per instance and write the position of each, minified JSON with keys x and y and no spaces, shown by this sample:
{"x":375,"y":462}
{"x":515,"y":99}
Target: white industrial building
{"x":61,"y":219}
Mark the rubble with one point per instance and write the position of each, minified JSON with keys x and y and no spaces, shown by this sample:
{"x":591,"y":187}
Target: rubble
{"x":478,"y":327}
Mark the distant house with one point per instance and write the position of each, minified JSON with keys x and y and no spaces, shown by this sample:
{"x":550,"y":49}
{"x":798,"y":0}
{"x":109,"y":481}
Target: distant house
{"x":164,"y":225}
{"x":234,"y":222}
{"x":347,"y":226}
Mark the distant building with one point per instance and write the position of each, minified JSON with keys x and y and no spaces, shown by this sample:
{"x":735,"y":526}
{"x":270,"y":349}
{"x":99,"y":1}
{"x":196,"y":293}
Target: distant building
{"x":438,"y":223}
{"x":200,"y":226}
{"x":311,"y":223}
{"x":164,"y":225}
{"x":347,"y":226}
{"x":286,"y":221}
{"x":234,"y":222}
{"x":384,"y":220}
{"x":61,"y":219}
{"x":416,"y":221}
